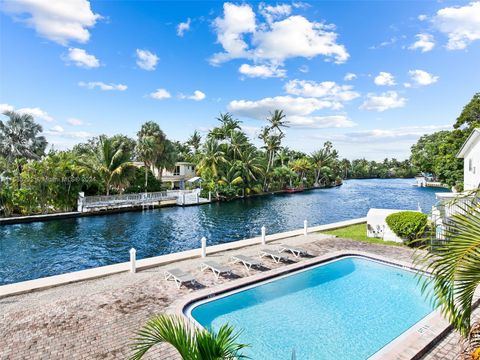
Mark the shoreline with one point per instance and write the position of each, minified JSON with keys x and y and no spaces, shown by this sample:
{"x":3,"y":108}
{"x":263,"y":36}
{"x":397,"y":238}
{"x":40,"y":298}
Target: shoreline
{"x":152,"y":262}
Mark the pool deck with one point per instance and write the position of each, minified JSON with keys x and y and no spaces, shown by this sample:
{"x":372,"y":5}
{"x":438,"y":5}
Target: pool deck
{"x":97,"y":318}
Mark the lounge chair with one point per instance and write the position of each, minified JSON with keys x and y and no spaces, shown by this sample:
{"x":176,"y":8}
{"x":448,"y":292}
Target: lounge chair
{"x":275,"y":255}
{"x":179,"y":276}
{"x":248,"y":262}
{"x":216,"y":268}
{"x":296,"y":251}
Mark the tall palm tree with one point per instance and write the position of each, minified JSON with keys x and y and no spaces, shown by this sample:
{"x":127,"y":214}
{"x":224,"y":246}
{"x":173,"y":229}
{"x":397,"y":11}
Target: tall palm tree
{"x":109,"y":163}
{"x":455,"y":264}
{"x":277,"y":121}
{"x":323,"y":158}
{"x":301,"y":166}
{"x":146,"y":153}
{"x":191,"y":342}
{"x":20,"y":139}
{"x":155,"y":149}
{"x":238,"y":141}
{"x":195,"y":140}
{"x":212,"y":158}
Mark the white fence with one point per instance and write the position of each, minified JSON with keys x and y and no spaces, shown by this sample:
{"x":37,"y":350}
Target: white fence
{"x":107,"y":202}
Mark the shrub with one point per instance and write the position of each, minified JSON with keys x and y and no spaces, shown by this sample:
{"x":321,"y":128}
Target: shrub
{"x":408,"y":225}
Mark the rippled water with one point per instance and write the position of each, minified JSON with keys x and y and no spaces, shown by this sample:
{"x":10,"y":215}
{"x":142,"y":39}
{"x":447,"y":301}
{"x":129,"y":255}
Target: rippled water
{"x":29,"y":251}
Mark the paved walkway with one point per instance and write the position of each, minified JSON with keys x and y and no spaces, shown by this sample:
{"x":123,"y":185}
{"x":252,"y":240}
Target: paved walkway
{"x":97,"y":319}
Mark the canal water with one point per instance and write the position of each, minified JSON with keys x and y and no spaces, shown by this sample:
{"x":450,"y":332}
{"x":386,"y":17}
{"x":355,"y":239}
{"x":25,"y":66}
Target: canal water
{"x":30,"y":251}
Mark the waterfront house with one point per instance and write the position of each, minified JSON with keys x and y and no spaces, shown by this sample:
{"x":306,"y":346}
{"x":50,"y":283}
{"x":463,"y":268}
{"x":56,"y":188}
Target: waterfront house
{"x":470,"y":153}
{"x":178,"y":177}
{"x":450,"y":204}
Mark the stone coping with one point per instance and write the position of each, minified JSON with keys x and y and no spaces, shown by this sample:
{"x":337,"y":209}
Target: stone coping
{"x":142,"y":264}
{"x":411,"y":345}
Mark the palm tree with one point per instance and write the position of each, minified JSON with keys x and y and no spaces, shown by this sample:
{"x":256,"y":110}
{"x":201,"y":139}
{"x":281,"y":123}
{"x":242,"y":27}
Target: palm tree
{"x":301,"y":166}
{"x":212,"y":158}
{"x":191,"y":342}
{"x":323,"y":158}
{"x":20,"y":139}
{"x":455,"y":264}
{"x":195,"y":141}
{"x":238,"y":141}
{"x":277,"y":121}
{"x":110,"y":163}
{"x":155,"y":149}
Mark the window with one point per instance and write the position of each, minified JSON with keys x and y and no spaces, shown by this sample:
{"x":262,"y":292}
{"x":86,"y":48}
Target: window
{"x":176,"y":172}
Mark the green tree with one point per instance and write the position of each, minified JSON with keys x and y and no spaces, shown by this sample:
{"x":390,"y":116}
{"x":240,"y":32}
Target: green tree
{"x":212,"y":158}
{"x":20,"y":139}
{"x":111,"y":164}
{"x":191,"y":342}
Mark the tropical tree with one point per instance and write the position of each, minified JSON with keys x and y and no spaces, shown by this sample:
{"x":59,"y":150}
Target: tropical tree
{"x":112,"y":165}
{"x":191,"y":342}
{"x":212,"y":158}
{"x":20,"y":139}
{"x":195,"y":141}
{"x":301,"y":166}
{"x":323,"y":159}
{"x":277,"y":121}
{"x":455,"y":264}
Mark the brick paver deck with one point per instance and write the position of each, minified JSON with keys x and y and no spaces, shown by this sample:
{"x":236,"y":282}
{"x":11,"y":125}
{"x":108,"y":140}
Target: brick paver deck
{"x":97,"y":319}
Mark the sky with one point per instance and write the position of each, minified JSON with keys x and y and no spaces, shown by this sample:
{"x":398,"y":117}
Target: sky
{"x":370,"y":76}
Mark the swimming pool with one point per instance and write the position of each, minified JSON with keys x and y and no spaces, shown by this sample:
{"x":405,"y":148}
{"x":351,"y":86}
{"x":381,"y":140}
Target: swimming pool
{"x":348,"y":308}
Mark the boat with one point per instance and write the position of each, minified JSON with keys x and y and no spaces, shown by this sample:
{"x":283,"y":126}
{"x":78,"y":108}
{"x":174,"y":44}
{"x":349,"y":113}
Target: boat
{"x":293,"y":189}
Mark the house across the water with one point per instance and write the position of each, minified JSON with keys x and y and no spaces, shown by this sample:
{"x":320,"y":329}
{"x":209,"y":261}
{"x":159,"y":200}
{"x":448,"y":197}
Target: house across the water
{"x":182,"y":172}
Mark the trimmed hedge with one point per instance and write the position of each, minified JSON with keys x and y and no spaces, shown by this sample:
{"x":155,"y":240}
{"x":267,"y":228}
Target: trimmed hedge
{"x":408,"y":225}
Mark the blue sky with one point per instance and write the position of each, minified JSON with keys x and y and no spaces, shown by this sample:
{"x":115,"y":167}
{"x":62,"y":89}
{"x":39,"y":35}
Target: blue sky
{"x":369,"y":76}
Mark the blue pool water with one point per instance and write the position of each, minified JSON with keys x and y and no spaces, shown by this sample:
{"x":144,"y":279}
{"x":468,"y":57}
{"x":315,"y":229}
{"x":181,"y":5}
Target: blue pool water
{"x":30,"y":251}
{"x":346,"y":309}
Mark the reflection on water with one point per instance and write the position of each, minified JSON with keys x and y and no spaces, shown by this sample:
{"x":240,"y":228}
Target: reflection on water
{"x":29,"y":251}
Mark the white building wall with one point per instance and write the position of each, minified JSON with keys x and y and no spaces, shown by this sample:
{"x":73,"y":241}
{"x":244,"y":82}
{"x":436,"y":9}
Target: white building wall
{"x":471,"y":170}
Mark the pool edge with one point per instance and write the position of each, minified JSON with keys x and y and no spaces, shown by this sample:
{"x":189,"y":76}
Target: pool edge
{"x":410,"y":345}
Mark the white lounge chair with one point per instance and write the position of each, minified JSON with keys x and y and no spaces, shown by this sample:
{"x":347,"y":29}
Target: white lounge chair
{"x":248,"y":262}
{"x":179,"y":276}
{"x":296,"y":251}
{"x":216,"y":268}
{"x":275,"y":255}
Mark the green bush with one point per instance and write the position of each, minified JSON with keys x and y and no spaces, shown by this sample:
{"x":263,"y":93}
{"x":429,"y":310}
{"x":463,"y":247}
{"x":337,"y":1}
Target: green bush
{"x":408,"y":225}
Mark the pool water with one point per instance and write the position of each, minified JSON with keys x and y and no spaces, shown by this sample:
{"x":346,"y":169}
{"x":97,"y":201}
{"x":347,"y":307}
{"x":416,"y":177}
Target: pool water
{"x":346,"y":309}
{"x":30,"y":251}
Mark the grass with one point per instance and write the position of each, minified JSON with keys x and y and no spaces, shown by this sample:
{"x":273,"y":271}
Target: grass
{"x":358,"y":232}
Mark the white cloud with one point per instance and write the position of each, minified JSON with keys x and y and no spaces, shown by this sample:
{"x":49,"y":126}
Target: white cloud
{"x":384,"y":101}
{"x":421,"y":77}
{"x":160,"y":94}
{"x":36,"y":112}
{"x":57,"y":129}
{"x":425,"y":42}
{"x":349,"y":76}
{"x":81,"y":58}
{"x":262,"y":71}
{"x":299,"y":111}
{"x":75,"y":122}
{"x":102,"y":86}
{"x":237,"y":20}
{"x":6,"y":107}
{"x":146,"y":60}
{"x":274,"y":41}
{"x":321,"y":122}
{"x":422,"y":17}
{"x":380,"y":135}
{"x":328,"y":90}
{"x":295,"y":36}
{"x":57,"y":20}
{"x":384,"y":79}
{"x":460,"y":24}
{"x":274,"y":12}
{"x":197,"y":96}
{"x":304,"y":69}
{"x":183,"y":27}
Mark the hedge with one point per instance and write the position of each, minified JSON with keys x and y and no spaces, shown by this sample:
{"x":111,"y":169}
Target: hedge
{"x":408,"y":225}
